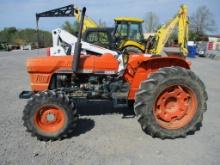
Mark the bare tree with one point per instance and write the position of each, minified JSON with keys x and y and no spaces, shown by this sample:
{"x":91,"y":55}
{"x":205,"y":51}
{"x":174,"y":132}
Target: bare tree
{"x":202,"y":21}
{"x":151,"y":22}
{"x":101,"y":23}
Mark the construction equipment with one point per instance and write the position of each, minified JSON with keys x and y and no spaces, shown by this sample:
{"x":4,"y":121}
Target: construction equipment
{"x":64,"y":44}
{"x":127,"y":35}
{"x":100,"y":36}
{"x":63,"y":41}
{"x":168,"y":98}
{"x":156,"y":43}
{"x":68,"y":11}
{"x":99,"y":39}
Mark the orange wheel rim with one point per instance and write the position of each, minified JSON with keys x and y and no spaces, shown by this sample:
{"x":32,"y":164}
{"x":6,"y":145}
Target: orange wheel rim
{"x":49,"y":119}
{"x":175,"y":107}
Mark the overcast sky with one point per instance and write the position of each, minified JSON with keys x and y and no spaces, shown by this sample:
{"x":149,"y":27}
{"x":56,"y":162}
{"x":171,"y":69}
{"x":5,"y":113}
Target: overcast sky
{"x":21,"y":13}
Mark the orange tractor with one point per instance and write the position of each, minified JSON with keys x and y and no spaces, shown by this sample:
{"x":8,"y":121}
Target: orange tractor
{"x":167,"y":97}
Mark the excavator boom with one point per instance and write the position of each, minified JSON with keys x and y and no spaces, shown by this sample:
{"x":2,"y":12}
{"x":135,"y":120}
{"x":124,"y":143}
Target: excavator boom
{"x":88,"y":22}
{"x":163,"y":34}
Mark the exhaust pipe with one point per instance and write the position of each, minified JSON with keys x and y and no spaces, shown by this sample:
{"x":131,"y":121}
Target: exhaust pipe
{"x":78,"y":45}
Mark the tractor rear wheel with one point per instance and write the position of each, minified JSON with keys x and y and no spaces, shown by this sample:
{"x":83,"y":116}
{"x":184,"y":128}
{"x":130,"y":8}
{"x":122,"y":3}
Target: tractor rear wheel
{"x":171,"y":103}
{"x":50,"y":116}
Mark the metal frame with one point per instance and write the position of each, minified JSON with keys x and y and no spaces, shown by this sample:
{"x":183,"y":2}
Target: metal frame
{"x":66,"y":11}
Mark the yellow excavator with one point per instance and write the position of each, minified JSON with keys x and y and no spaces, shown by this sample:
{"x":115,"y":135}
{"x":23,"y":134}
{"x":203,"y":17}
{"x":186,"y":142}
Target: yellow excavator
{"x":127,"y":35}
{"x":88,"y":22}
{"x":155,"y":44}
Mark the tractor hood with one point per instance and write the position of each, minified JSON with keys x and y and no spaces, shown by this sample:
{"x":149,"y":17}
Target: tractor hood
{"x":42,"y":69}
{"x":88,"y":64}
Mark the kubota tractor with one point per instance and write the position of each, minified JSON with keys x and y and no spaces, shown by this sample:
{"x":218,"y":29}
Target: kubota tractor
{"x":168,"y":98}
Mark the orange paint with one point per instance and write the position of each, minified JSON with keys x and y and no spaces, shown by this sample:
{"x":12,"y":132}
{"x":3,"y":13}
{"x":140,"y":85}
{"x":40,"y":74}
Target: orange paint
{"x":49,"y":119}
{"x":138,"y":68}
{"x":175,"y":107}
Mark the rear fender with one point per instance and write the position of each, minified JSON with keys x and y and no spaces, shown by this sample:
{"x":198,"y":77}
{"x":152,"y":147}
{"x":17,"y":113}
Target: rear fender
{"x":147,"y":67}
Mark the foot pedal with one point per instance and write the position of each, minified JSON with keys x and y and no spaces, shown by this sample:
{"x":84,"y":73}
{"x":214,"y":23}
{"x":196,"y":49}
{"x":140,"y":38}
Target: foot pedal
{"x":26,"y":94}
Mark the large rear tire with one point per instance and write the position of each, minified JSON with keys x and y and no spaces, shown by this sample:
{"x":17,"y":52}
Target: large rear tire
{"x":50,"y":116}
{"x":171,"y":103}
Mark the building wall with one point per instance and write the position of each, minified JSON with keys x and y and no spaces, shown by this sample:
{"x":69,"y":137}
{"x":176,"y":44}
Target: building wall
{"x":214,"y":39}
{"x":214,"y":43}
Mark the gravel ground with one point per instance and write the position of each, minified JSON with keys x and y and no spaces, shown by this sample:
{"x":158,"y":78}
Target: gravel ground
{"x":102,"y":135}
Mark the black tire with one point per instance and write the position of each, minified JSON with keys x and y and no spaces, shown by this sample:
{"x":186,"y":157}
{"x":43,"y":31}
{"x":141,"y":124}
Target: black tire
{"x":52,"y":99}
{"x":151,"y":89}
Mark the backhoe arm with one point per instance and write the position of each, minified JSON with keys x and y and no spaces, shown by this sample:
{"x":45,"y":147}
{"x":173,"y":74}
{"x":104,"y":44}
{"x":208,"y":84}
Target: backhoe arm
{"x":163,"y":34}
{"x":88,"y":22}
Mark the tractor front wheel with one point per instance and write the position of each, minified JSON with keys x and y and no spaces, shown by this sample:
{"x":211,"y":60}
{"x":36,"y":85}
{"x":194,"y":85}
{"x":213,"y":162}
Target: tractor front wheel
{"x":171,"y":103}
{"x":50,"y":116}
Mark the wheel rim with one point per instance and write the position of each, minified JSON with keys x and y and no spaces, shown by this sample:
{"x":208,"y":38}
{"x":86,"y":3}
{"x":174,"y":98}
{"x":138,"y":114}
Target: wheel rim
{"x":175,"y":107}
{"x":49,"y":119}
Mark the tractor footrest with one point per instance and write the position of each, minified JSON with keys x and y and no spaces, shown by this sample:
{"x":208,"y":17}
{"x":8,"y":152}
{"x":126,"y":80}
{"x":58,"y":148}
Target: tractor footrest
{"x":120,"y":100}
{"x":26,"y":94}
